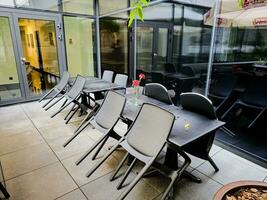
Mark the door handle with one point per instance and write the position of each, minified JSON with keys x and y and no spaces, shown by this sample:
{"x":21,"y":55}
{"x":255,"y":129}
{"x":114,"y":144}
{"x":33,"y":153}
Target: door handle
{"x":22,"y":60}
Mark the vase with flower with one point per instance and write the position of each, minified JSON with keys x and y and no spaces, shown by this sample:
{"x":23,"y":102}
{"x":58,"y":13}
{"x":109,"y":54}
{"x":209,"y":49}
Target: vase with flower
{"x":136,"y":86}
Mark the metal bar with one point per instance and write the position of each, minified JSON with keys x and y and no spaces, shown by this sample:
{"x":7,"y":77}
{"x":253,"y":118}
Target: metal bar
{"x":98,"y":50}
{"x":135,"y":47}
{"x":211,"y":56}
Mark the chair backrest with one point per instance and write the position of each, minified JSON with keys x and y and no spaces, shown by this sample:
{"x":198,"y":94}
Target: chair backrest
{"x":107,"y":75}
{"x":255,"y":93}
{"x":197,"y":103}
{"x":77,"y":87}
{"x":63,"y":81}
{"x":110,"y":110}
{"x":121,"y":80}
{"x":150,"y":129}
{"x":157,"y":77}
{"x":157,"y":91}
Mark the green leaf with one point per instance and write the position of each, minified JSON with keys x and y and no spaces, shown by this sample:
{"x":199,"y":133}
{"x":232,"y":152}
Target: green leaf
{"x":144,"y":2}
{"x":140,"y":14}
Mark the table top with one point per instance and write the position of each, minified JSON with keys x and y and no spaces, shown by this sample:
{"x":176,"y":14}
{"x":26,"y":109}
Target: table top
{"x":179,"y":76}
{"x":88,"y":79}
{"x":181,"y":135}
{"x":99,"y":86}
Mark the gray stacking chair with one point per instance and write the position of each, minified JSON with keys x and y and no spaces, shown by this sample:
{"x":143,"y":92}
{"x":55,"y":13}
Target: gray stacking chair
{"x":200,"y":104}
{"x":72,"y":96}
{"x":121,"y":79}
{"x":104,"y":121}
{"x":144,"y":140}
{"x":157,"y":91}
{"x":107,"y":75}
{"x":60,"y":88}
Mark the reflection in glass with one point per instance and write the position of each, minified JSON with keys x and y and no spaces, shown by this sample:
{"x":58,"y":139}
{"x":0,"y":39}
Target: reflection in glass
{"x":79,"y":42}
{"x":191,"y":44}
{"x":9,"y":82}
{"x":162,"y":51}
{"x":152,"y":12}
{"x":38,"y":4}
{"x":7,"y":2}
{"x":111,"y":5}
{"x":176,"y":43}
{"x":144,"y":48}
{"x":78,"y":6}
{"x":38,"y":38}
{"x":114,"y":45}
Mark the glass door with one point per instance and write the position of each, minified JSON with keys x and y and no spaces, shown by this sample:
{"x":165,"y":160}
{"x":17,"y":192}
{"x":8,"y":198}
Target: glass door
{"x":10,"y":80}
{"x":153,"y":46}
{"x":39,"y":44}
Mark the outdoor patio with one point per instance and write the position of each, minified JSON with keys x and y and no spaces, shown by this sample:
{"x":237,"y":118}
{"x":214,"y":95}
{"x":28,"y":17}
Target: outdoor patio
{"x":36,"y":166}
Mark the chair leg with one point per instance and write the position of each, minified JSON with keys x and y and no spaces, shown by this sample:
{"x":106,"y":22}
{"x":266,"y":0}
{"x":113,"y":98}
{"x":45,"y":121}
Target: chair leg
{"x":213,"y":164}
{"x":176,"y":175}
{"x":119,"y":186}
{"x":112,"y":177}
{"x":51,"y":105}
{"x":64,"y":103}
{"x":61,"y":109}
{"x":46,"y":95}
{"x":71,"y":116}
{"x":76,"y":133}
{"x":91,"y":149}
{"x":100,"y":162}
{"x":257,"y":117}
{"x":69,"y":112}
{"x":135,"y":181}
{"x":87,"y":117}
{"x":4,"y":191}
{"x":50,"y":100}
{"x":223,"y":116}
{"x":99,"y":148}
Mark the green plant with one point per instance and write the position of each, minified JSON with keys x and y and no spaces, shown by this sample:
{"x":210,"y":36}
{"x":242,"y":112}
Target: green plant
{"x":137,"y":10}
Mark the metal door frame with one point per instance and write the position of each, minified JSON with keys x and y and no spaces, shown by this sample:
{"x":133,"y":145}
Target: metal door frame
{"x":14,"y":15}
{"x":59,"y":41}
{"x":156,"y":26}
{"x":15,"y":50}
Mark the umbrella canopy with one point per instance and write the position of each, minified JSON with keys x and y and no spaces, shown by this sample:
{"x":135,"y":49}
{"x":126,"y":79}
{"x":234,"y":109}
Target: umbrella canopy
{"x":232,"y":14}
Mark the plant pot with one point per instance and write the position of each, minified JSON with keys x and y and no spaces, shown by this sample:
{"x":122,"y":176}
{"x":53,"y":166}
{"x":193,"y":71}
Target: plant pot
{"x":221,"y":193}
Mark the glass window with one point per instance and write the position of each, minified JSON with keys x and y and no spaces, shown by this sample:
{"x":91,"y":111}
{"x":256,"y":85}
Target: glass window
{"x":38,"y":4}
{"x":193,"y":16}
{"x":178,"y":13}
{"x":161,"y":12}
{"x":191,"y":44}
{"x":9,"y":82}
{"x":111,"y":5}
{"x":114,"y":45}
{"x":7,"y":2}
{"x":79,"y":39}
{"x":78,"y":6}
{"x":176,"y":43}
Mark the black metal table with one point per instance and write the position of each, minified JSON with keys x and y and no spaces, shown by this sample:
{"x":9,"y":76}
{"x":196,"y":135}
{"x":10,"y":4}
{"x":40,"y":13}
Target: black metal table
{"x":182,"y":138}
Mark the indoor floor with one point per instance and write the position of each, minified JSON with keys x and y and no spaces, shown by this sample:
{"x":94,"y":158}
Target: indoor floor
{"x":36,"y":166}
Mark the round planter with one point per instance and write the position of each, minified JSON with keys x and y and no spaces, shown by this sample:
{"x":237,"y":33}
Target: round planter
{"x":235,"y":186}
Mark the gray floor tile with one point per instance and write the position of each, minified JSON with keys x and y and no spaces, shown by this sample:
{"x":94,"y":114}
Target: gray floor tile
{"x":79,"y":172}
{"x":74,"y":195}
{"x":19,"y":141}
{"x":46,"y":183}
{"x":102,"y":189}
{"x":26,"y":160}
{"x":187,"y":189}
{"x":232,"y":168}
{"x":80,"y":144}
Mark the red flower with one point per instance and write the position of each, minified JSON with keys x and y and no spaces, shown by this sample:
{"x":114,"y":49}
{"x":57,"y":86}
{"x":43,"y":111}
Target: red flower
{"x":142,"y":76}
{"x":135,"y":83}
